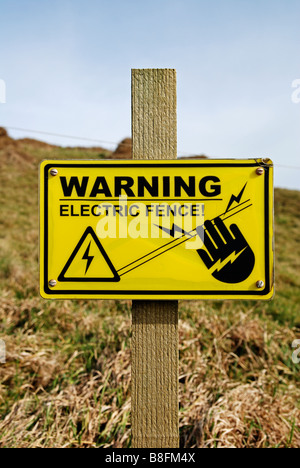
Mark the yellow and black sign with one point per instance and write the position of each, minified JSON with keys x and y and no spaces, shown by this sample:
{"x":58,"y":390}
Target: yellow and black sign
{"x":196,"y":229}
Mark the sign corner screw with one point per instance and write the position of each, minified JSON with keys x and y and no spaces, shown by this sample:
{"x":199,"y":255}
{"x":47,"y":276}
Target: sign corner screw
{"x":260,"y":284}
{"x":260,"y":171}
{"x":52,"y":283}
{"x":54,"y":172}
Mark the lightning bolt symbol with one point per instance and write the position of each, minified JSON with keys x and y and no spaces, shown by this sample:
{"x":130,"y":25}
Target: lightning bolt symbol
{"x":174,"y":230}
{"x":232,"y":257}
{"x":234,"y":198}
{"x":88,"y":258}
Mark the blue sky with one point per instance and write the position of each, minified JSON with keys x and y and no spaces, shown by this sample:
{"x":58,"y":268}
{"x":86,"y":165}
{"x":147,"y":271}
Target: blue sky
{"x":67,"y":66}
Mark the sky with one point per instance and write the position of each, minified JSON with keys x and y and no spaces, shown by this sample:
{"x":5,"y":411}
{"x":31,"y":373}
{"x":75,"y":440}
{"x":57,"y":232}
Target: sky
{"x":66,"y":65}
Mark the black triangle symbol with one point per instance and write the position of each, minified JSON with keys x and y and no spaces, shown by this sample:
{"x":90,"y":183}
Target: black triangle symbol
{"x":115,"y":277}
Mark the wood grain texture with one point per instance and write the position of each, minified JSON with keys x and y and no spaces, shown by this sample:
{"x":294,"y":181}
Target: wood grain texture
{"x":154,"y":400}
{"x":154,"y":114}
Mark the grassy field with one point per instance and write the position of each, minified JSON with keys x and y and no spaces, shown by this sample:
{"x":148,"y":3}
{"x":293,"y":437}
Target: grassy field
{"x":66,"y":382}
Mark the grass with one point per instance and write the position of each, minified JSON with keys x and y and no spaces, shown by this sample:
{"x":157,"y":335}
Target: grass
{"x":66,"y":382}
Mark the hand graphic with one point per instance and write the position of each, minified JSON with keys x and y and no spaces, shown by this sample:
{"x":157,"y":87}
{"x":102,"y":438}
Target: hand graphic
{"x":228,"y":251}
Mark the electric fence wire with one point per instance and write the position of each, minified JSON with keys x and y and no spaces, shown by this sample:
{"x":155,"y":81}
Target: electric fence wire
{"x":95,"y":140}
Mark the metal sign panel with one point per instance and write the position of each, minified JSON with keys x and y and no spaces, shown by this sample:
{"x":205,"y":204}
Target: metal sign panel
{"x":195,"y":229}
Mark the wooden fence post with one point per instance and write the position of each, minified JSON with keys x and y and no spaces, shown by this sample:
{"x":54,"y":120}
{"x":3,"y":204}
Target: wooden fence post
{"x":154,"y":408}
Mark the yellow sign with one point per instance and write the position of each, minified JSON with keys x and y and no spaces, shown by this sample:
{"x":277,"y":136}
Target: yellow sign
{"x":196,"y":229}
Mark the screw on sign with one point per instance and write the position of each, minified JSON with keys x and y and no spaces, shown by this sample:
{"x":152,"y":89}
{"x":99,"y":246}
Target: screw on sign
{"x":155,"y":230}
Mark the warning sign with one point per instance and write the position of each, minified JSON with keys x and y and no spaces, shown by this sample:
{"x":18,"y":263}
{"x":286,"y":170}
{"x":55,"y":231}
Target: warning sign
{"x":157,"y":229}
{"x":89,"y":262}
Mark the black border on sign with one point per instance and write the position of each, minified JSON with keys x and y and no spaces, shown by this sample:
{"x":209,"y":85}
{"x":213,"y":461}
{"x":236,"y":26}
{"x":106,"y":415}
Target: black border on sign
{"x":176,"y":294}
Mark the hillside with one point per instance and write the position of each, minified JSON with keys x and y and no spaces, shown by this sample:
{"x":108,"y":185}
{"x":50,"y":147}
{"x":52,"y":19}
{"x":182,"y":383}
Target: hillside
{"x":66,"y":382}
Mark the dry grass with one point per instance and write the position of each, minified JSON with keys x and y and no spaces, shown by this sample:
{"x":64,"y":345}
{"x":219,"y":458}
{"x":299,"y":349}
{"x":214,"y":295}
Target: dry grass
{"x":66,"y":382}
{"x":238,"y":390}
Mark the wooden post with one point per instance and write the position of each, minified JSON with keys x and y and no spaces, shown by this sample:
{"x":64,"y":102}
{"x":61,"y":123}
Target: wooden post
{"x":154,"y":408}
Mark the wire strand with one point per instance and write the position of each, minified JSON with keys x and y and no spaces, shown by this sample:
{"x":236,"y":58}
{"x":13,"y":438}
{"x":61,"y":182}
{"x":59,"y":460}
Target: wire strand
{"x":95,"y":140}
{"x":287,"y":167}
